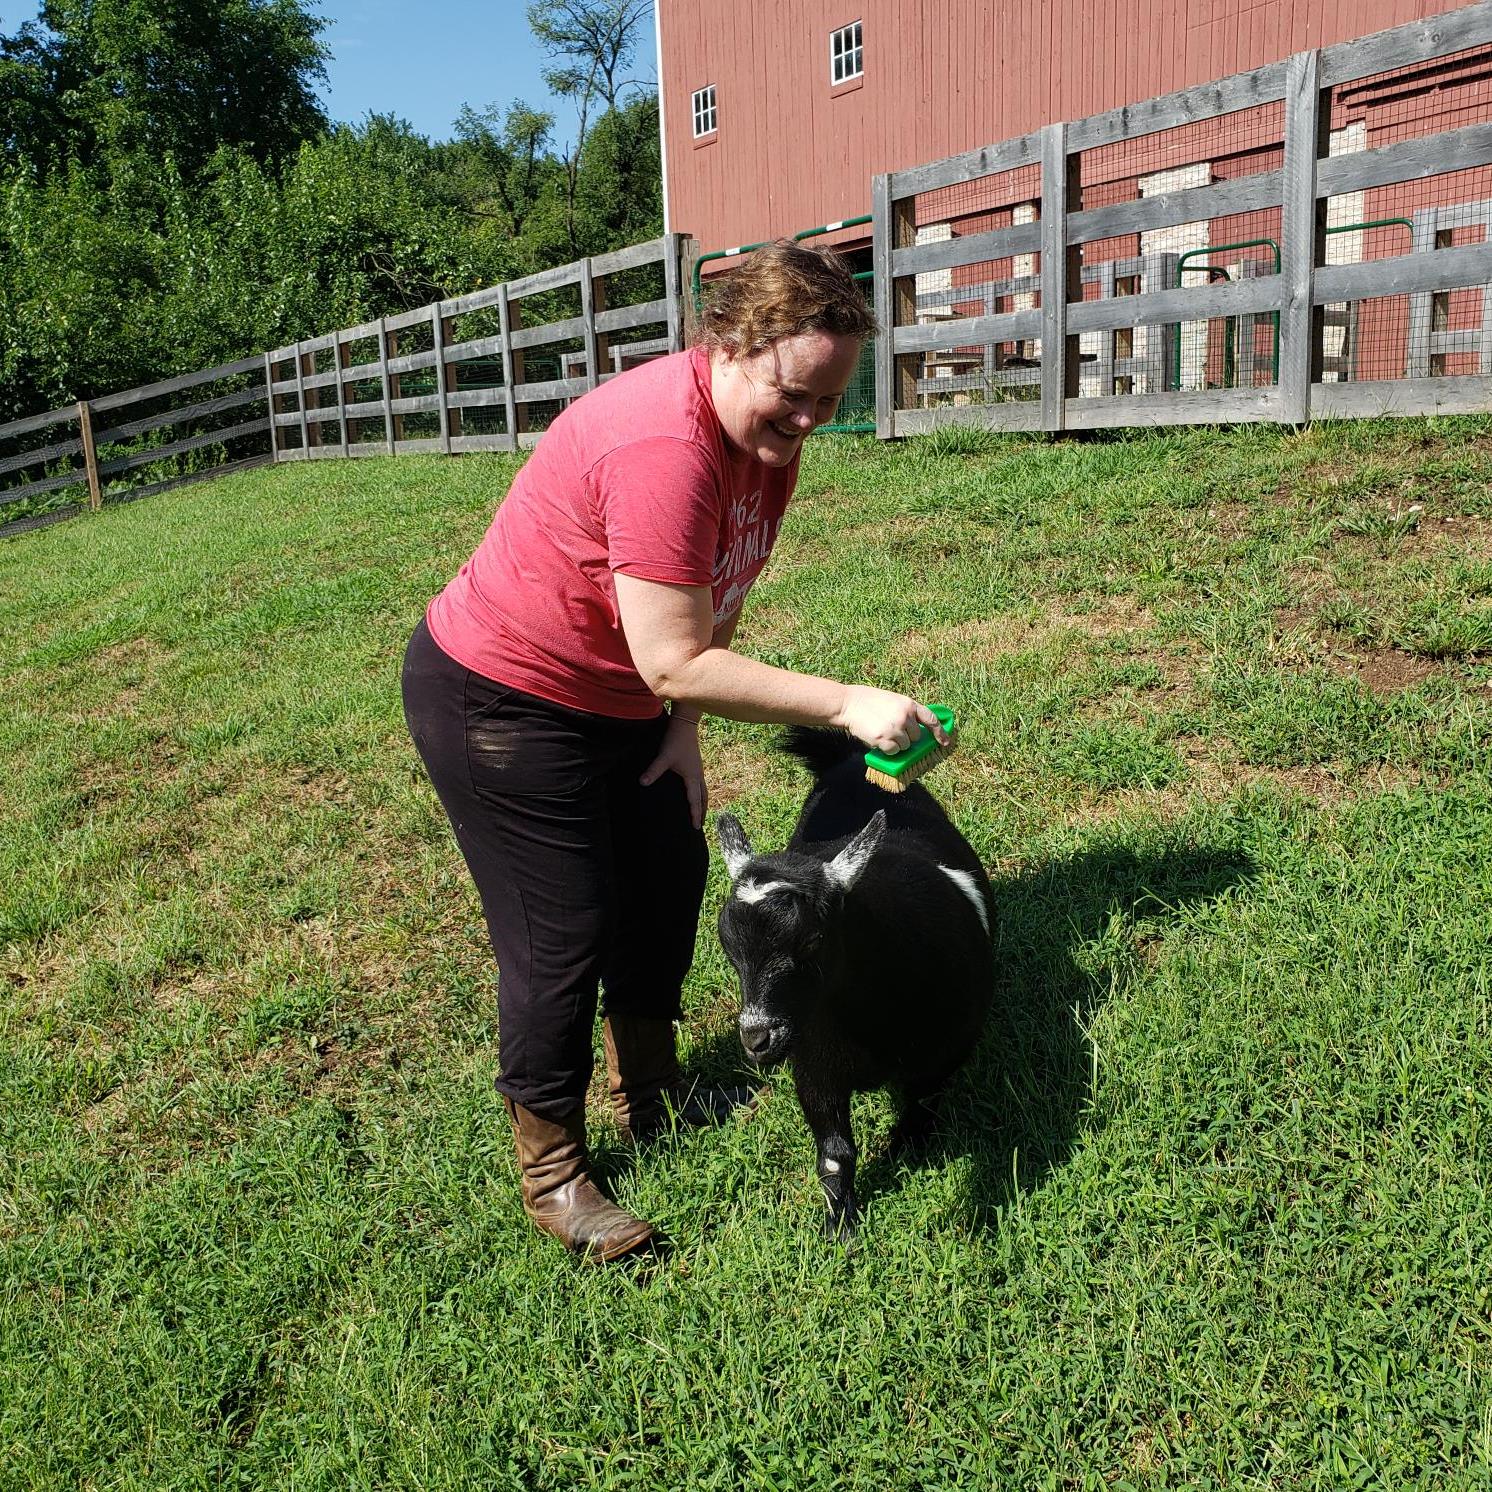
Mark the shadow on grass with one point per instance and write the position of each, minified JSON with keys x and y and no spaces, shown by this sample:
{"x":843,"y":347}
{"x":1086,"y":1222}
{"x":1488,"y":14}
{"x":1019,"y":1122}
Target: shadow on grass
{"x":1022,"y":1104}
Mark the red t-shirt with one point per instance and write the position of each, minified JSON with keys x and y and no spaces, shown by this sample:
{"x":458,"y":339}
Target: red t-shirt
{"x":637,"y":477}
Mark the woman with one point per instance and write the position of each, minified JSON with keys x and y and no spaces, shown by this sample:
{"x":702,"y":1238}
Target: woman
{"x":609,"y":583}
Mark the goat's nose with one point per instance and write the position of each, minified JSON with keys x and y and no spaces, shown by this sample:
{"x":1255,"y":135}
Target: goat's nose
{"x":756,"y":1036}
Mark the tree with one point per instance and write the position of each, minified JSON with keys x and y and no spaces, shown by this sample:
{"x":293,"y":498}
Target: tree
{"x":114,"y":81}
{"x":37,"y":78}
{"x":595,"y":39}
{"x":597,"y":36}
{"x":505,"y":162}
{"x":619,"y":191}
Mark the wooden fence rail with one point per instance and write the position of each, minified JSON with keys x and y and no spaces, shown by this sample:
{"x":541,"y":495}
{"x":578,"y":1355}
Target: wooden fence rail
{"x":1307,"y":295}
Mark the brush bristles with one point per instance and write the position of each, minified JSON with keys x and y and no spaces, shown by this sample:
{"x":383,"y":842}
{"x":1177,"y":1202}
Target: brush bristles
{"x":909,"y":774}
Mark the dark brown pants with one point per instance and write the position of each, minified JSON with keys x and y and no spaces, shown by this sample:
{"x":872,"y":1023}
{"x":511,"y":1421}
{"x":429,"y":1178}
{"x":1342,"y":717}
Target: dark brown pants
{"x":586,"y":877}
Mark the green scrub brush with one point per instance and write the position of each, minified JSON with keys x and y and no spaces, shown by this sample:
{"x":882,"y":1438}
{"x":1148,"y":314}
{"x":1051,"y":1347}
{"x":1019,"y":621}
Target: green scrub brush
{"x":896,"y":773}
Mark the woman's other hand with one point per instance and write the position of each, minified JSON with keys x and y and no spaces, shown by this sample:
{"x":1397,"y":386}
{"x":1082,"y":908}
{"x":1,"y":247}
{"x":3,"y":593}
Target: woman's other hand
{"x":885,"y":721}
{"x":680,"y":753}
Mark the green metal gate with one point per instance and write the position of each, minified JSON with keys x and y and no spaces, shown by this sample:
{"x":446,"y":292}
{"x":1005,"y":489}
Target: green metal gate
{"x":857,"y":410}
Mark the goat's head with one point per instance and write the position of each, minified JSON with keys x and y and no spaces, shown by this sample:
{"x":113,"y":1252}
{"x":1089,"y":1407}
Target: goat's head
{"x":780,"y":928}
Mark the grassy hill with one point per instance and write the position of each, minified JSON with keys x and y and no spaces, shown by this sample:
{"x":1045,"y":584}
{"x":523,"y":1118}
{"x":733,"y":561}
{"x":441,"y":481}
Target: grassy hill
{"x":1210,"y":1210}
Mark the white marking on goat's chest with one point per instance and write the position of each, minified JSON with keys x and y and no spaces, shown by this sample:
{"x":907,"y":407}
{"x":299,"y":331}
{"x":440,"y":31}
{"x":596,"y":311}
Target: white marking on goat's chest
{"x":751,"y":891}
{"x":966,"y":883}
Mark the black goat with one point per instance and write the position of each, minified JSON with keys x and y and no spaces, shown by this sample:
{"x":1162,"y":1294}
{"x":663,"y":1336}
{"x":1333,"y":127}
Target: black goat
{"x":863,"y":950}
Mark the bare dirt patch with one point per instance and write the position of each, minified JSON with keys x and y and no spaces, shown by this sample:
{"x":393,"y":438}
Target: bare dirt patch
{"x":1231,"y":521}
{"x":1452,"y":536}
{"x":984,"y":639}
{"x":1386,"y":672}
{"x":1464,"y":535}
{"x":1383,"y":670}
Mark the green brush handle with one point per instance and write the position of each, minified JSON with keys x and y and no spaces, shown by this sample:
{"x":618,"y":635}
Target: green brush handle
{"x":894,"y":766}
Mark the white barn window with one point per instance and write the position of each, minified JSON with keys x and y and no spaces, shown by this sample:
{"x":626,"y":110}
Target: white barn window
{"x":846,"y":53}
{"x":705,"y":119}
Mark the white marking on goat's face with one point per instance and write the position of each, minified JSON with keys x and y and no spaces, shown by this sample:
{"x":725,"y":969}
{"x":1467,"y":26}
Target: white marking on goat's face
{"x":764,"y":1034}
{"x":753,"y":891}
{"x":831,"y":1166}
{"x":967,"y":884}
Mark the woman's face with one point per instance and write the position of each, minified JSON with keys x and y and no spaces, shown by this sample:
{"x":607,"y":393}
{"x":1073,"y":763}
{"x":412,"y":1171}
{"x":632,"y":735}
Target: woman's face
{"x":768,"y":401}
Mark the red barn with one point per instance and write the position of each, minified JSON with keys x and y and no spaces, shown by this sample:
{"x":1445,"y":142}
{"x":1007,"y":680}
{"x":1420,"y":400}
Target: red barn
{"x":777,"y":115}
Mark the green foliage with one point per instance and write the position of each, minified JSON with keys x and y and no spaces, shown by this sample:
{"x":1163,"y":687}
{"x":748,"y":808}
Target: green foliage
{"x":78,"y":271}
{"x":112,"y":81}
{"x":100,"y":291}
{"x":171,"y":198}
{"x":619,"y":194}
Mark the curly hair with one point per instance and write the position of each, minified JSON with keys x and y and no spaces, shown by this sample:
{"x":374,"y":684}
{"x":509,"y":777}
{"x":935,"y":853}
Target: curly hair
{"x":781,"y":290}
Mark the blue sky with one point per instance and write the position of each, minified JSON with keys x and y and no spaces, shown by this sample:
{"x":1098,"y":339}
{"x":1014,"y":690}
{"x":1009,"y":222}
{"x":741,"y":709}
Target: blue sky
{"x":423,"y":61}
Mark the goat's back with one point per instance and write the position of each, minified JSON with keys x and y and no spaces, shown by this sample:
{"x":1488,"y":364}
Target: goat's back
{"x":842,"y":802}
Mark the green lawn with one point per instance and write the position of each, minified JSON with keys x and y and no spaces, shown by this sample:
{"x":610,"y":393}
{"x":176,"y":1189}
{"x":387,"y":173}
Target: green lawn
{"x":1210,"y":1208}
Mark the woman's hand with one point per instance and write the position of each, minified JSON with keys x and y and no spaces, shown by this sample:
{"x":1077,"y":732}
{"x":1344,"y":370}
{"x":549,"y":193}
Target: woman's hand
{"x":888,"y":722}
{"x":680,"y":753}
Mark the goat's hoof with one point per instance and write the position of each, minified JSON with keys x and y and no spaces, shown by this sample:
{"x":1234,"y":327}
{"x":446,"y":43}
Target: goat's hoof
{"x":841,"y":1227}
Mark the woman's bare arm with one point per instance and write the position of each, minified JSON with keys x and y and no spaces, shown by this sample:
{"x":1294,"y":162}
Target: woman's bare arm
{"x":670,"y":632}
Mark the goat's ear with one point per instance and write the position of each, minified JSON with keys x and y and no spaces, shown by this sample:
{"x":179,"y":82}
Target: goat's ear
{"x":849,"y":864}
{"x":733,"y":843}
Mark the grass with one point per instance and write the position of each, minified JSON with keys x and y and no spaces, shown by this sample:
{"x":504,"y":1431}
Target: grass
{"x":1209,"y":1210}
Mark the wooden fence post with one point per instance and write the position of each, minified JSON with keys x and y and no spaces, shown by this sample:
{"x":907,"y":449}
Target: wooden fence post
{"x":438,"y":327}
{"x":904,"y":306}
{"x":880,"y":257}
{"x":510,"y":405}
{"x":269,"y":399}
{"x":90,"y":456}
{"x":679,"y":253}
{"x":1303,"y":224}
{"x":383,"y":379}
{"x":589,"y":339}
{"x":1060,"y":271}
{"x":894,"y":227}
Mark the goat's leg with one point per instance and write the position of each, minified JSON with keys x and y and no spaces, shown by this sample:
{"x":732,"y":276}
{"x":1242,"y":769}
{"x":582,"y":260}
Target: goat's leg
{"x":919,"y":1117}
{"x":828,"y":1117}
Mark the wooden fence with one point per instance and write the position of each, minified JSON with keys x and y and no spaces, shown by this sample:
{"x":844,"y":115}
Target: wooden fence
{"x":481,"y":372}
{"x":104,"y":457}
{"x":1065,"y":314}
{"x":1054,"y":285}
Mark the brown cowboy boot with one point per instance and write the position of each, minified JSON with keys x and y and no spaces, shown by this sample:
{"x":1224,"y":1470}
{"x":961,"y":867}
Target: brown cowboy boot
{"x":647,"y":1083}
{"x":558,"y":1193}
